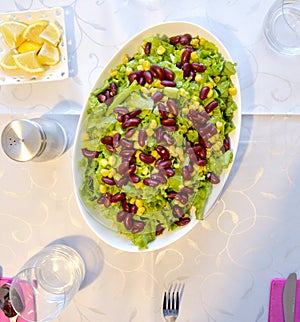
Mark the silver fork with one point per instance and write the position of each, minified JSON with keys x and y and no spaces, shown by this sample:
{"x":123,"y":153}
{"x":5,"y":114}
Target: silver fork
{"x":171,"y":302}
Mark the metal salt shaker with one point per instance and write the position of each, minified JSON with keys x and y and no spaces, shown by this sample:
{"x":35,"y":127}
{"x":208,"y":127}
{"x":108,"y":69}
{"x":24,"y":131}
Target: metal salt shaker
{"x":38,"y":139}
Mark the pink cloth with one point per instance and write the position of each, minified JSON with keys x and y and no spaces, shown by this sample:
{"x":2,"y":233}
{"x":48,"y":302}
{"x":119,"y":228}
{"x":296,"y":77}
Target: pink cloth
{"x":3,"y":318}
{"x":276,"y":306}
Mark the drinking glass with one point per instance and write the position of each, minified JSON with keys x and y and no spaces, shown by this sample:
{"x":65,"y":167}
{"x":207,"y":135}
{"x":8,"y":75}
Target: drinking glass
{"x":47,"y":283}
{"x":282,"y":26}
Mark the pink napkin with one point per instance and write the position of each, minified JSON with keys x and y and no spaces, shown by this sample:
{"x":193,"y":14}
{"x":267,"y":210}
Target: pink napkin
{"x":276,"y":306}
{"x":3,"y":318}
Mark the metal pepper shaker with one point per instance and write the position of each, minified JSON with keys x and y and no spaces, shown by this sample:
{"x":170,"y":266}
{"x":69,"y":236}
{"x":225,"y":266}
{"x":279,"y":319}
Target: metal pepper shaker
{"x":38,"y":139}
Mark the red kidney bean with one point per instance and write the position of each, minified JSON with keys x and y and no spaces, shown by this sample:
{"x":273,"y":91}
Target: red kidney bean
{"x":127,"y":152}
{"x":124,"y":167}
{"x":121,"y":110}
{"x":107,"y":203}
{"x":169,"y":140}
{"x":132,"y":77}
{"x":110,"y":148}
{"x":183,"y":221}
{"x":162,"y":110}
{"x":179,"y":65}
{"x":204,"y":142}
{"x":101,"y":200}
{"x":185,"y":57}
{"x":142,"y":136}
{"x":226,"y":144}
{"x":137,"y":226}
{"x":107,"y":140}
{"x":182,"y":197}
{"x":169,"y":172}
{"x":185,"y":39}
{"x":198,"y":67}
{"x":171,"y":128}
{"x":148,"y":76}
{"x":178,"y":211}
{"x":174,"y":40}
{"x":163,"y":152}
{"x":168,"y":122}
{"x":211,"y":177}
{"x":147,"y":158}
{"x":109,"y":101}
{"x":125,"y":205}
{"x":187,"y":190}
{"x":134,"y":178}
{"x":201,"y":162}
{"x":134,"y":113}
{"x":211,"y":106}
{"x":169,"y":74}
{"x":173,"y":108}
{"x":157,"y":96}
{"x":118,"y":197}
{"x":120,"y":118}
{"x":192,"y":74}
{"x":185,"y":173}
{"x":159,"y":135}
{"x":172,"y":195}
{"x":147,"y":48}
{"x":126,"y":143}
{"x":128,"y":134}
{"x":133,"y":209}
{"x":168,"y":83}
{"x":186,"y":67}
{"x":101,"y":98}
{"x":124,"y":180}
{"x":203,"y":92}
{"x":131,"y":169}
{"x":113,"y":89}
{"x":116,"y":139}
{"x":109,"y":181}
{"x":121,"y":216}
{"x":142,"y":81}
{"x":89,"y":154}
{"x":150,"y":182}
{"x":157,"y":72}
{"x":128,"y":221}
{"x":163,"y":164}
{"x":135,"y":121}
{"x":159,"y":177}
{"x":202,"y":153}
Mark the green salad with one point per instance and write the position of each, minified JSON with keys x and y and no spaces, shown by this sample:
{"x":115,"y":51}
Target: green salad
{"x":156,"y":136}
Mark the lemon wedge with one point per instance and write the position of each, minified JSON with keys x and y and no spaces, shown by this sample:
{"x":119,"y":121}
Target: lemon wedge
{"x":48,"y":55}
{"x":28,"y":62}
{"x":27,"y":46}
{"x":12,"y":32}
{"x":7,"y":62}
{"x":51,"y":33}
{"x":33,"y":31}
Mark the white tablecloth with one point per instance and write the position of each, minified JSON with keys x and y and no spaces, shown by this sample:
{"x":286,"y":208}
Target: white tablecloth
{"x":251,"y":235}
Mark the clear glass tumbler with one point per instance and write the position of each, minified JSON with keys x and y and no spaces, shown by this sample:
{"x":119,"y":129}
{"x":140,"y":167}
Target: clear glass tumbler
{"x":47,"y":283}
{"x":282,"y":26}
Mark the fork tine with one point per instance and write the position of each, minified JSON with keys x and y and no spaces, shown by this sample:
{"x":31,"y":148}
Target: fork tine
{"x":177,"y":301}
{"x":165,"y":301}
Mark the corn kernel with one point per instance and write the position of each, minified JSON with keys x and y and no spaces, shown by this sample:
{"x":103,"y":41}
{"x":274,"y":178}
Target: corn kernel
{"x":185,"y":111}
{"x":129,"y":70}
{"x":198,"y":78}
{"x":202,"y":41}
{"x":217,"y":79}
{"x":182,"y":92}
{"x":103,"y":162}
{"x":85,"y":137}
{"x":155,"y":154}
{"x":140,"y":211}
{"x":140,"y":67}
{"x":146,"y":65}
{"x":194,"y":42}
{"x":232,"y":91}
{"x":176,"y":165}
{"x":139,"y":203}
{"x":132,"y":200}
{"x":145,"y":171}
{"x":195,"y":98}
{"x":149,"y":131}
{"x":194,"y":55}
{"x":209,"y":84}
{"x":102,"y":189}
{"x":125,"y":59}
{"x":153,"y":124}
{"x":104,"y":172}
{"x":139,"y":184}
{"x":160,"y":50}
{"x":112,"y":160}
{"x":210,"y":93}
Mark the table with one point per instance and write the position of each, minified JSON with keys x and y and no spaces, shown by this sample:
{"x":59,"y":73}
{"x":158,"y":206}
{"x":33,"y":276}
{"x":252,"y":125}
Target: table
{"x":252,"y":233}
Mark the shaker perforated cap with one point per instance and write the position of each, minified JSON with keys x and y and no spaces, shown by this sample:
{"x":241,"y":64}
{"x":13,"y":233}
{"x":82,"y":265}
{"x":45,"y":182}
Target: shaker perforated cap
{"x":23,"y":140}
